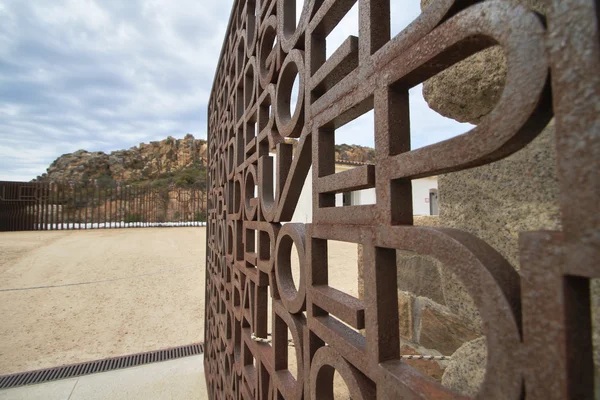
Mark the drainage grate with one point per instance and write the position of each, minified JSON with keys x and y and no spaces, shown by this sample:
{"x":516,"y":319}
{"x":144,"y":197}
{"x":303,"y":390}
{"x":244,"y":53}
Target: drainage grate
{"x":92,"y":367}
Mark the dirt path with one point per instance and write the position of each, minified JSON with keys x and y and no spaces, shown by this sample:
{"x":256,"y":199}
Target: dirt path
{"x":129,"y":290}
{"x":75,"y":296}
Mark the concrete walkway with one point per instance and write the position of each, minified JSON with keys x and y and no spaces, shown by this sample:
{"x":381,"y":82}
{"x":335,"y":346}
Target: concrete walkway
{"x":182,"y":378}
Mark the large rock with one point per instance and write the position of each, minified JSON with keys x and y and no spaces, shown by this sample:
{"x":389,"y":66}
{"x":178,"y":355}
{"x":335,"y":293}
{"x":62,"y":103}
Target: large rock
{"x":470,"y":89}
{"x":466,"y":370}
{"x":459,"y":301}
{"x":443,"y":331}
{"x":497,"y":201}
{"x":79,"y":165}
{"x":419,"y":274}
{"x":147,"y":161}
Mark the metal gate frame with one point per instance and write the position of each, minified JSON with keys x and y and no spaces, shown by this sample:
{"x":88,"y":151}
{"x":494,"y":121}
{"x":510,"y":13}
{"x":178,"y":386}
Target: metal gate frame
{"x":537,"y":321}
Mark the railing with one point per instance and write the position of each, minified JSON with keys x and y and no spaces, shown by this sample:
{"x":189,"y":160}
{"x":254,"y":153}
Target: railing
{"x":26,"y":206}
{"x":536,"y":320}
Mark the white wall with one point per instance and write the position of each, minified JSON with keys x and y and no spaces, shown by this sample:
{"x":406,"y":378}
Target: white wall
{"x":366,"y":196}
{"x":420,"y":194}
{"x":303,"y":212}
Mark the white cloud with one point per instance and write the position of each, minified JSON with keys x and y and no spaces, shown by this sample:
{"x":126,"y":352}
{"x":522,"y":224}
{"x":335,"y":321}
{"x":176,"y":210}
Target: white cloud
{"x":102,"y":75}
{"x":108,"y":74}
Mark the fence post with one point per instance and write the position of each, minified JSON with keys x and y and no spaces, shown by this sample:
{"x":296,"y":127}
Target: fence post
{"x":109,"y":207}
{"x":119,"y":204}
{"x":53,"y":209}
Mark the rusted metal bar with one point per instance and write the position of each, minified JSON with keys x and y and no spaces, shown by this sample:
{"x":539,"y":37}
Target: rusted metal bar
{"x":45,"y":203}
{"x":36,"y":207}
{"x":153,"y":205}
{"x":54,"y":206}
{"x":8,"y":209}
{"x":109,"y":205}
{"x":143,"y":200}
{"x":119,"y":212}
{"x":78,"y":202}
{"x":124,"y":199}
{"x":138,"y":205}
{"x":65,"y":205}
{"x":90,"y":189}
{"x":134,"y":204}
{"x":43,"y":206}
{"x":65,"y":201}
{"x":86,"y":194}
{"x":141,"y":208}
{"x":93,"y":206}
{"x":14,"y":220}
{"x":95,"y":210}
{"x":75,"y":205}
{"x":103,"y":201}
{"x":50,"y":206}
{"x":61,"y":200}
{"x":99,"y":205}
{"x":145,"y":220}
{"x":125,"y":202}
{"x":129,"y":199}
{"x":39,"y":206}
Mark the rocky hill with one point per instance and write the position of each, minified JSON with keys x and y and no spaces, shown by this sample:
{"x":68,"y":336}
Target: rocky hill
{"x":167,"y":160}
{"x":170,"y":161}
{"x":347,"y":152}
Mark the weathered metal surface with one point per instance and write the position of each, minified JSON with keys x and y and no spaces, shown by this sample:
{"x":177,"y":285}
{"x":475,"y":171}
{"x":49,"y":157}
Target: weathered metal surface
{"x":537,"y":322}
{"x":27,"y":206}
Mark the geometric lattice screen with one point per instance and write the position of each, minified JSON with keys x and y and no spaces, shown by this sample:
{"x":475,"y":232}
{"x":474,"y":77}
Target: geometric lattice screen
{"x":536,"y":320}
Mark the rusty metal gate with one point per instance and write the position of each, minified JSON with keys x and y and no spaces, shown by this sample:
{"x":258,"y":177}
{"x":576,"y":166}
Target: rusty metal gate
{"x":537,"y":320}
{"x":27,"y":206}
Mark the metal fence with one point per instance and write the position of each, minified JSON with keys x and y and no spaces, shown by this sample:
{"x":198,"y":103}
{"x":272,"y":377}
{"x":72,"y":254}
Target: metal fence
{"x":27,"y":206}
{"x":536,"y":321}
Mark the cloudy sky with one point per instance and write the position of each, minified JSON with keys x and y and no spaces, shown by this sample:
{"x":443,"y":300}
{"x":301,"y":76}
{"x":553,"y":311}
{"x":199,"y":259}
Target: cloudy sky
{"x":103,"y":75}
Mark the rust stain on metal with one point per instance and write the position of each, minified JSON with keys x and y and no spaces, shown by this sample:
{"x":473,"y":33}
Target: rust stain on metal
{"x":541,"y":313}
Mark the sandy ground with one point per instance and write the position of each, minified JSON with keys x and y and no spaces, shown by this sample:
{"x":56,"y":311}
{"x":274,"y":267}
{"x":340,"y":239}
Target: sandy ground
{"x":150,"y":295}
{"x":156,"y":299}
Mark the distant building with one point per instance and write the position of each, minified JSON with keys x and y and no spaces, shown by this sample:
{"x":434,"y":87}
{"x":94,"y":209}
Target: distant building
{"x":424,"y":194}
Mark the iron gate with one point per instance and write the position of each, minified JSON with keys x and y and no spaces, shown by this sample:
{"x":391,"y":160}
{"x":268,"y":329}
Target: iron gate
{"x":537,"y":321}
